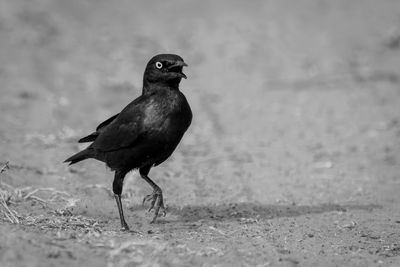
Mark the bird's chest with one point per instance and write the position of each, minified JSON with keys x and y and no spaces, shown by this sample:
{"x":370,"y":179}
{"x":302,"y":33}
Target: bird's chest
{"x":168,"y":118}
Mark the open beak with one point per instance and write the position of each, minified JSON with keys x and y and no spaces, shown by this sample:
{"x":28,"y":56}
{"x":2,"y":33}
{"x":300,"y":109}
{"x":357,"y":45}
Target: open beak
{"x":177,"y":68}
{"x":183,"y":75}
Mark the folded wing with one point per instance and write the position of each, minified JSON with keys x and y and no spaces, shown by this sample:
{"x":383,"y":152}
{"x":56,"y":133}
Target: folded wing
{"x":124,"y":130}
{"x":91,"y":137}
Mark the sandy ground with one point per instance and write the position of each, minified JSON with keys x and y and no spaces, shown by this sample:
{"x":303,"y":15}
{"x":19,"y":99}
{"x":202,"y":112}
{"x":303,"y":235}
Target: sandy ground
{"x":293,"y":158}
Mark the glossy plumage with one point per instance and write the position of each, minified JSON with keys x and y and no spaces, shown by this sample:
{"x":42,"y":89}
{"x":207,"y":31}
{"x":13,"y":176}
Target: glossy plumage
{"x":146,"y":131}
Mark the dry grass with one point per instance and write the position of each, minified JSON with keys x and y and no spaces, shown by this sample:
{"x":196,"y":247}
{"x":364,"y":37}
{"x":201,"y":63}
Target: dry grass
{"x":61,"y":220}
{"x":5,"y":198}
{"x":62,"y":217}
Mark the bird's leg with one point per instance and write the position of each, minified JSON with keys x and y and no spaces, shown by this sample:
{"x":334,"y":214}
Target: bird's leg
{"x":117,"y":188}
{"x":156,"y":198}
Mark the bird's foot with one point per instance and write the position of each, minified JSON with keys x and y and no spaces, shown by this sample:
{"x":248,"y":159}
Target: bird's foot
{"x":124,"y":226}
{"x":157,"y":202}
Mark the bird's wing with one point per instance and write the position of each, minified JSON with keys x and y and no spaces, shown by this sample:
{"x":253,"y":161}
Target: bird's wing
{"x":124,"y":130}
{"x":91,"y":137}
{"x":106,"y":122}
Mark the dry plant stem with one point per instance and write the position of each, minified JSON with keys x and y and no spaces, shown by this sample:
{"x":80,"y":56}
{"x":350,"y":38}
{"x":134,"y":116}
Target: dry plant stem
{"x":39,"y":199}
{"x":8,"y":217}
{"x":9,"y":214}
{"x":31,"y":193}
{"x":5,"y":167}
{"x":14,"y":218}
{"x":53,"y":190}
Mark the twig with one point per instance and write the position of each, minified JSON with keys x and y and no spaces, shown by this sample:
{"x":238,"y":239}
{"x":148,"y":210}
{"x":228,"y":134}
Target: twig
{"x":30,"y":193}
{"x":53,"y":190}
{"x":38,"y":199}
{"x":8,"y":217}
{"x":5,"y":167}
{"x":14,"y":218}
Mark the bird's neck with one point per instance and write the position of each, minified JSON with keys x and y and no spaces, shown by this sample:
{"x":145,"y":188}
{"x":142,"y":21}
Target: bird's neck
{"x":152,"y":87}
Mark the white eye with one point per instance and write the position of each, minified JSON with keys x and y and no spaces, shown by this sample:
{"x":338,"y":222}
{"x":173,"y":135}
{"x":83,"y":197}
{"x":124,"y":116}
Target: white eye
{"x":158,"y":65}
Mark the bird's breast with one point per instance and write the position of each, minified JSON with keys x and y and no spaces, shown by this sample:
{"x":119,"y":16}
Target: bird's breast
{"x":168,"y":114}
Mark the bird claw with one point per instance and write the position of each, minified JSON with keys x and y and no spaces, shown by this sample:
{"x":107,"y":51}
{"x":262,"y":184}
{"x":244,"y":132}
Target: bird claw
{"x":157,"y":203}
{"x":124,"y":227}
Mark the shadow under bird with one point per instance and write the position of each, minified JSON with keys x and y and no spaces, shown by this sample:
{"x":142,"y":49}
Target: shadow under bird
{"x":145,"y":132}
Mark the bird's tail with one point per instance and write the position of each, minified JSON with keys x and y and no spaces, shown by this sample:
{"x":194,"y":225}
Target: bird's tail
{"x":84,"y":154}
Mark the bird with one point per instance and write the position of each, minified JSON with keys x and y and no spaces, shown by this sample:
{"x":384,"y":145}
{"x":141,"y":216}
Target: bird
{"x":145,"y":133}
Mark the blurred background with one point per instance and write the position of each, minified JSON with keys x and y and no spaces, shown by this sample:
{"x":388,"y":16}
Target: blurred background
{"x":294,"y":102}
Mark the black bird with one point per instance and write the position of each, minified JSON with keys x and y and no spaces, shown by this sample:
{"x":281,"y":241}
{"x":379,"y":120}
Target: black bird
{"x":145,"y":132}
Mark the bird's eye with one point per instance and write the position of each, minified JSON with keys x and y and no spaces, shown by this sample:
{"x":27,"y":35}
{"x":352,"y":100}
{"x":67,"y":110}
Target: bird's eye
{"x":158,"y":65}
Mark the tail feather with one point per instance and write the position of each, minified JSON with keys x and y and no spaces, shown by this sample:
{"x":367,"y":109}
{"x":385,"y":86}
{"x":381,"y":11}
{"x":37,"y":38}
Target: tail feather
{"x":82,"y":155}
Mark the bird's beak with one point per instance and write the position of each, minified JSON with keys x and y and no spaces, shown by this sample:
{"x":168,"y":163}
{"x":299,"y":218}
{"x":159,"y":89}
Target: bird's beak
{"x":179,"y":64}
{"x":177,"y":68}
{"x":183,"y":75}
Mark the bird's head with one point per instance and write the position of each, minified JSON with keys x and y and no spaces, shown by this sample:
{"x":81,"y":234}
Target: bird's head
{"x":164,"y":69}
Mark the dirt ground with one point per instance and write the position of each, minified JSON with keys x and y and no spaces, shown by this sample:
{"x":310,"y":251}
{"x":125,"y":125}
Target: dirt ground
{"x":293,"y":157}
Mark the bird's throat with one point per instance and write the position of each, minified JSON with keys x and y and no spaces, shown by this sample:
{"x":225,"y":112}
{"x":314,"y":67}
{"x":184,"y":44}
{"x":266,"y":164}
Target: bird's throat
{"x":151,"y":87}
